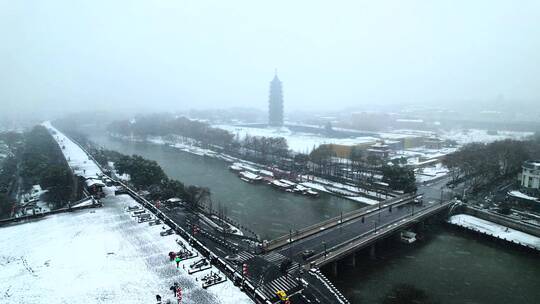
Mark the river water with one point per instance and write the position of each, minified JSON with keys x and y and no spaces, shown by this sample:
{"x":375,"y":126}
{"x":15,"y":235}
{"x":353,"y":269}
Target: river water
{"x":265,"y":210}
{"x":449,"y":266}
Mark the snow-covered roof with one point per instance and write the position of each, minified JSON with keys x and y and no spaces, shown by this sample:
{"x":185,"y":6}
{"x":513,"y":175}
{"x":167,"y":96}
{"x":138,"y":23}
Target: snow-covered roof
{"x":94,"y":183}
{"x":532,"y":164}
{"x":280,"y":184}
{"x":249,"y":175}
{"x":288,"y":182}
{"x":521,"y":195}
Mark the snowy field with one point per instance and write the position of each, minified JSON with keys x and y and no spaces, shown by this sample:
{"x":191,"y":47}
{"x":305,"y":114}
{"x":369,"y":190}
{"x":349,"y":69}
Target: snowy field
{"x":297,"y":141}
{"x":97,"y":256}
{"x":430,"y":173}
{"x":77,"y":159}
{"x":473,"y":135}
{"x":495,"y":230}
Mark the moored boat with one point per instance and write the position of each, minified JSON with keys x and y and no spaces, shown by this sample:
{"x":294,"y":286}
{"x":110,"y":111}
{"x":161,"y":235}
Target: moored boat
{"x":280,"y":185}
{"x":235,"y":168}
{"x":311,"y":192}
{"x":250,"y":177}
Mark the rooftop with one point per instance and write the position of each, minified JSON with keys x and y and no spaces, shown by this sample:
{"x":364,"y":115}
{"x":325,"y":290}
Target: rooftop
{"x":532,"y":164}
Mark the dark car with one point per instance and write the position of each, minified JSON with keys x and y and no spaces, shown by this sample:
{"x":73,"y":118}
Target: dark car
{"x":307,"y":253}
{"x":234,"y":258}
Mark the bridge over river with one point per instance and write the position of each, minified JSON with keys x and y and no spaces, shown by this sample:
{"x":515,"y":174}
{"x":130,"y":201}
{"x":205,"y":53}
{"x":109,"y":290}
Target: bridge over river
{"x":342,"y":236}
{"x":332,"y":240}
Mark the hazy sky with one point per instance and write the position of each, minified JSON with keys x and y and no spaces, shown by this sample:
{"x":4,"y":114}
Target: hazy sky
{"x":172,"y":54}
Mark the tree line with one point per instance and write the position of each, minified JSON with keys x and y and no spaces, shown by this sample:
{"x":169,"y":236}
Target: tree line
{"x":257,"y":148}
{"x":8,"y":171}
{"x":481,"y":164}
{"x":166,"y":124}
{"x":359,"y":167}
{"x":42,"y":163}
{"x":147,"y":175}
{"x":35,"y":159}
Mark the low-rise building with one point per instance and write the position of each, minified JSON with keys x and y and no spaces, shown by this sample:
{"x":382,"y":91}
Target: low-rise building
{"x":530,"y":176}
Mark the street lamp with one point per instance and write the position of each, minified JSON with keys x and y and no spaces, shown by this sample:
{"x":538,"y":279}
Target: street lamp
{"x":341,"y":220}
{"x":324,"y":245}
{"x":290,"y":244}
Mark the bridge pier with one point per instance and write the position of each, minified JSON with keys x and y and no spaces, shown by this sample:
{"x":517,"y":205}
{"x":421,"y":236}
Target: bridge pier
{"x":372,"y":253}
{"x":334,"y":268}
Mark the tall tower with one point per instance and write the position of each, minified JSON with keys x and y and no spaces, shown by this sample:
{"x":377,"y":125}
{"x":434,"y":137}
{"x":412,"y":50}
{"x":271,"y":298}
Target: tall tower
{"x":275,"y":103}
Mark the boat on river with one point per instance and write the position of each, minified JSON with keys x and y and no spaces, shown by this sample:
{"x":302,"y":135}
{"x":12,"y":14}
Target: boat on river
{"x":235,"y":168}
{"x":407,"y":237}
{"x":280,"y":185}
{"x":249,"y":177}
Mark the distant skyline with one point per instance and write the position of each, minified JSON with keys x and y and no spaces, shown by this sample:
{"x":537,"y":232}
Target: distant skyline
{"x":167,"y":55}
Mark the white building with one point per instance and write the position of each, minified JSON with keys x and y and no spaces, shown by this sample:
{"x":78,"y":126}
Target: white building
{"x":530,"y":176}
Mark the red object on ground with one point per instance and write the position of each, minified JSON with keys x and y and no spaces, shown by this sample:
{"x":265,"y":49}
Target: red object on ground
{"x":179,"y":294}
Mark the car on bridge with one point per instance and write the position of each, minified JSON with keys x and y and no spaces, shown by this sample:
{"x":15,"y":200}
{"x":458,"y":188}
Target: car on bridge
{"x":307,"y":253}
{"x":234,"y":258}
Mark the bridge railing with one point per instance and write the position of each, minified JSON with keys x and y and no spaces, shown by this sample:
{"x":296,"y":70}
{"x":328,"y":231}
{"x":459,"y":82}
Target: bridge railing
{"x":362,"y":240}
{"x":315,"y":228}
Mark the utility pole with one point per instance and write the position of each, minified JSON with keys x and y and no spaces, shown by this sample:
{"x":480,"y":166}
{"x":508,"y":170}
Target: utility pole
{"x":341,"y":220}
{"x":379,"y":213}
{"x":290,"y":244}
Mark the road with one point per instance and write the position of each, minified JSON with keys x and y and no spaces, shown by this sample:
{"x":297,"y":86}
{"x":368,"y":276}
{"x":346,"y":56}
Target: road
{"x":340,"y":234}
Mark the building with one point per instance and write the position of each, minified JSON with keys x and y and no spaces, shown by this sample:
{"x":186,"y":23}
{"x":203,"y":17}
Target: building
{"x":380,"y":150}
{"x":530,"y":176}
{"x":275,"y":103}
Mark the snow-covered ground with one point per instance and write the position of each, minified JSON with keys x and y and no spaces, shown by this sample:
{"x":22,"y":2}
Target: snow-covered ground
{"x":98,"y":256}
{"x":522,"y":195}
{"x":77,"y":159}
{"x":430,"y":173}
{"x":297,"y":141}
{"x":496,"y":230}
{"x":414,"y":154}
{"x":473,"y":135}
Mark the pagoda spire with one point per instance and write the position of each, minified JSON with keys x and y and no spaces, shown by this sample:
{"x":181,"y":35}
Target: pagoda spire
{"x":275,"y":102}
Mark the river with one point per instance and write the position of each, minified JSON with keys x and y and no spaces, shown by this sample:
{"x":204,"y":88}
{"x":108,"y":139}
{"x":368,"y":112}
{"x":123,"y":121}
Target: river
{"x":265,"y":210}
{"x":450,"y":266}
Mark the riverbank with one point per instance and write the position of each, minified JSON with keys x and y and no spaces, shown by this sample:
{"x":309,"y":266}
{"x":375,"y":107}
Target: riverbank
{"x":495,"y":230}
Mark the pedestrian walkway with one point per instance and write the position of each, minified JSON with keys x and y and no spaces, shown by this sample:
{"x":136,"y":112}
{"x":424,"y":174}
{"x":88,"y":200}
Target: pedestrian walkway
{"x":284,"y":283}
{"x":277,"y":258}
{"x":244,"y":256}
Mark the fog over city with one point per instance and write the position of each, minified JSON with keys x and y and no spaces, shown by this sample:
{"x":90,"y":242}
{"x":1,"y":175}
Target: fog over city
{"x":59,"y":56}
{"x":269,"y":152}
